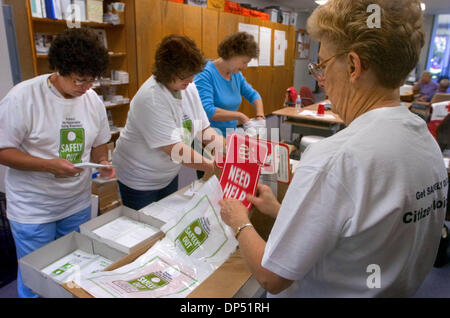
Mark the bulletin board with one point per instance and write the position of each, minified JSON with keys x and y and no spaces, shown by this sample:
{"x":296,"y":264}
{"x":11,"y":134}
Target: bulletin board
{"x":208,"y":27}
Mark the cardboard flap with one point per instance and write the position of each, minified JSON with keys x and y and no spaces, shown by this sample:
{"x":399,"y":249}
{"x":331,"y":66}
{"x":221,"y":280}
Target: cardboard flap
{"x":230,"y":277}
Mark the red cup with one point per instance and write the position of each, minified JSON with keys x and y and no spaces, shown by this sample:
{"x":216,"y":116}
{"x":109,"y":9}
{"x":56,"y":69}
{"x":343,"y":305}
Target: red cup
{"x":321,"y":110}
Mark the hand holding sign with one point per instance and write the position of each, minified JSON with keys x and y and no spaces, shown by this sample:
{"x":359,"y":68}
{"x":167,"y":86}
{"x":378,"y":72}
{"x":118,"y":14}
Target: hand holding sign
{"x":245,"y":156}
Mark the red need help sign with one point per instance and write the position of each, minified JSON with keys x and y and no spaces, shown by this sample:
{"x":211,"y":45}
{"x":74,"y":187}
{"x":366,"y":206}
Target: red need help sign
{"x":240,"y":175}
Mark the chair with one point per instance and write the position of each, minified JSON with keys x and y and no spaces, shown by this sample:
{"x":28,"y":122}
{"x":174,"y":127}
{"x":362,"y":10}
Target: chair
{"x":307,"y":96}
{"x":440,"y":97}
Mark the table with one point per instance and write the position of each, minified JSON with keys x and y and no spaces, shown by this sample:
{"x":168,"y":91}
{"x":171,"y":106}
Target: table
{"x":325,"y":123}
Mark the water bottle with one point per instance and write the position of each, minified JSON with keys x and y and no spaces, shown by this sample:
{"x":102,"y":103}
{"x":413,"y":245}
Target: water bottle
{"x":298,"y":104}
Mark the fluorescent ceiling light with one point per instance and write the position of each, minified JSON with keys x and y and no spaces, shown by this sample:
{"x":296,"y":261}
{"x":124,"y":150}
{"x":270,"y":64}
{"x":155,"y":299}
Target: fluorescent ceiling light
{"x":423,"y":6}
{"x":321,"y":2}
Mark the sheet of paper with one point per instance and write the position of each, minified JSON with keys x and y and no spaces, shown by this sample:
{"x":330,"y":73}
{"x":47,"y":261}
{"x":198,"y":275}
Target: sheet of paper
{"x":265,"y":46}
{"x":76,"y":265}
{"x":91,"y":165}
{"x":280,"y":47}
{"x":167,"y":208}
{"x":314,"y":114}
{"x":126,"y":231}
{"x":251,"y":29}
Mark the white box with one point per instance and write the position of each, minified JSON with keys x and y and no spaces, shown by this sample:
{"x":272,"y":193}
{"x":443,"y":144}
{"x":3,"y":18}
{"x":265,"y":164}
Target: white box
{"x":286,"y":17}
{"x":32,"y":264}
{"x":94,"y":206}
{"x":88,"y":228}
{"x":273,"y":14}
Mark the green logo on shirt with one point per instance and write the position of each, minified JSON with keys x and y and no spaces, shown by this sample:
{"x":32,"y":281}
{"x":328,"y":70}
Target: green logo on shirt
{"x":192,"y":237}
{"x":71,"y":144}
{"x":187,"y":132}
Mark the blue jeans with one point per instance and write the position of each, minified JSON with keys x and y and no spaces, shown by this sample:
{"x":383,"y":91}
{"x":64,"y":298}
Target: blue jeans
{"x":30,"y":237}
{"x":137,"y":199}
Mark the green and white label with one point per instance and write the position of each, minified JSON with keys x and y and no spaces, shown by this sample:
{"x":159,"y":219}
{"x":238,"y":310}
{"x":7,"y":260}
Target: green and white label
{"x":71,"y":145}
{"x":62,"y":269}
{"x":148,"y":282}
{"x":192,"y":237}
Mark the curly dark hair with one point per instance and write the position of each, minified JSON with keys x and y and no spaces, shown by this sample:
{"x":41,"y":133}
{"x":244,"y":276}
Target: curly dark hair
{"x":78,"y":51}
{"x":177,"y":55}
{"x":238,"y":44}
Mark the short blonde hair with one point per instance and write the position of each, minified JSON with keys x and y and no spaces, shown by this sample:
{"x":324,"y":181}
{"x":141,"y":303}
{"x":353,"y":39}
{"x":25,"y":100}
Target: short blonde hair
{"x":391,"y":51}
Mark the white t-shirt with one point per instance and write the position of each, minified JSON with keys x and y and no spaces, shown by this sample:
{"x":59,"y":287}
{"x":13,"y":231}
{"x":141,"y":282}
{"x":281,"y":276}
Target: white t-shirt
{"x":156,"y":119}
{"x":37,"y":122}
{"x":368,"y":200}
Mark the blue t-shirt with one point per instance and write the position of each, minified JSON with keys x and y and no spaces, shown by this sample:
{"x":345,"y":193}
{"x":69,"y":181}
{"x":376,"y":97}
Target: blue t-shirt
{"x":215,"y":91}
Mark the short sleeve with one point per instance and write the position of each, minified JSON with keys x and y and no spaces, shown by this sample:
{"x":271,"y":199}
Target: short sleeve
{"x":14,"y":122}
{"x":156,"y":123}
{"x":309,"y":224}
{"x":104,"y":134}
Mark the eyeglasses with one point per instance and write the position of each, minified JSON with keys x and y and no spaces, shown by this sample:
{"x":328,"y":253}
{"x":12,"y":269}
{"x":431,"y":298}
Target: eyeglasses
{"x":83,"y":83}
{"x":317,"y":70}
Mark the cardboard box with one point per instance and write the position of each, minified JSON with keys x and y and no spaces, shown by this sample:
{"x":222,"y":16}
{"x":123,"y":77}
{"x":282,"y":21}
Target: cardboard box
{"x":232,"y":279}
{"x":106,"y":190}
{"x":32,"y":264}
{"x":88,"y":228}
{"x":109,"y":207}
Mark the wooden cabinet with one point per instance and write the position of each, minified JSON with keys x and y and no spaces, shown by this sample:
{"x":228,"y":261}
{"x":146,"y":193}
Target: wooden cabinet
{"x":121,"y":46}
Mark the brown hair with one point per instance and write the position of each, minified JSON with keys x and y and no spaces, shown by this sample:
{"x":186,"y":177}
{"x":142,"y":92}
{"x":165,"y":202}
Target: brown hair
{"x":238,"y":44}
{"x":177,"y":55}
{"x":391,"y":51}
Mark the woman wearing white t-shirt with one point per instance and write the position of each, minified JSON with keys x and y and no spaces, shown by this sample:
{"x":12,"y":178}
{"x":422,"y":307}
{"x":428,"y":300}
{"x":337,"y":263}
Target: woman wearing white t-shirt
{"x":365,"y":209}
{"x":165,"y":116}
{"x":48,"y":124}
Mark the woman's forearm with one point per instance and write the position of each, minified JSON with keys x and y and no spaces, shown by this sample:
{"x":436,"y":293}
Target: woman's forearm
{"x":226,"y":115}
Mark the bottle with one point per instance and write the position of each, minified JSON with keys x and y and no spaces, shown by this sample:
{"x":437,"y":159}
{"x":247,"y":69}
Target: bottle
{"x":298,"y":104}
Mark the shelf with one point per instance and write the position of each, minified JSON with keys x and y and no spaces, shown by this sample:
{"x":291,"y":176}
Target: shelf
{"x":45,"y":56}
{"x":90,"y":24}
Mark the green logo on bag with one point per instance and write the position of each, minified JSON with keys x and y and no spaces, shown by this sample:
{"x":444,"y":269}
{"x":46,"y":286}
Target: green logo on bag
{"x":192,"y":237}
{"x":148,"y":282}
{"x":71,"y":145}
{"x":62,"y":269}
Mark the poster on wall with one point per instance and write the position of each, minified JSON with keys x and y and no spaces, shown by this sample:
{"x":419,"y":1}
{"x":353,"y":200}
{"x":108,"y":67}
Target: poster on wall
{"x":251,"y":29}
{"x":265,"y":45}
{"x":280,"y":46}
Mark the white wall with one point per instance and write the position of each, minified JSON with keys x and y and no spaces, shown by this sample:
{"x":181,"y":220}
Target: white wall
{"x":428,"y":28}
{"x":301,"y":74}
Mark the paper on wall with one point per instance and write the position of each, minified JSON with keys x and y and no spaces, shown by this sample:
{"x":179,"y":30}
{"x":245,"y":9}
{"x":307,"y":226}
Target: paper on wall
{"x":265,"y":45}
{"x":251,"y":29}
{"x":280,"y":46}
